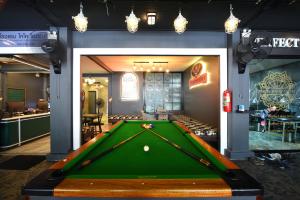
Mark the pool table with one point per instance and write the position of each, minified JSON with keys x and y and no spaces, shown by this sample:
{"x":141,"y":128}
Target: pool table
{"x":96,"y":170}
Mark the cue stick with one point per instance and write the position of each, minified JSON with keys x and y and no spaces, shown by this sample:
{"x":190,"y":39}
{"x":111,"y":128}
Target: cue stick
{"x":190,"y":154}
{"x":91,"y":160}
{"x":187,"y":132}
{"x":88,"y":162}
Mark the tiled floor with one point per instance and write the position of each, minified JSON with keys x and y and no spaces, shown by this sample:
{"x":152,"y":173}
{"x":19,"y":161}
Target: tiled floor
{"x":279,"y":184}
{"x":37,"y":147}
{"x":11,"y":181}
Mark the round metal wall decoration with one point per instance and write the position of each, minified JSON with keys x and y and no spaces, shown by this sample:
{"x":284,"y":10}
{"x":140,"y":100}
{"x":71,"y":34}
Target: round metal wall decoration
{"x":277,"y":89}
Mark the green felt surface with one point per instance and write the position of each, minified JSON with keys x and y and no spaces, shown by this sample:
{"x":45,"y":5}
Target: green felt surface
{"x":131,"y":161}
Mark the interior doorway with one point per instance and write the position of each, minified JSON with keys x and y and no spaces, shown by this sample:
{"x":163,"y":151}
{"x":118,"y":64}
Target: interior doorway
{"x":24,"y":102}
{"x":77,"y":79}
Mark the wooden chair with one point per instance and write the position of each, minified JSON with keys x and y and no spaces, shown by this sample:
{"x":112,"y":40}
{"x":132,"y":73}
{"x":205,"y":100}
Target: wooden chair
{"x":97,"y":122}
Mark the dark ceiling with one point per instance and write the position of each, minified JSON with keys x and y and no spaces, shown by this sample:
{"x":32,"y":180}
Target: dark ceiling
{"x":201,"y":14}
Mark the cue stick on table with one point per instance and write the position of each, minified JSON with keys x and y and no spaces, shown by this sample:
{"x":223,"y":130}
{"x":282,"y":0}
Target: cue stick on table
{"x":91,"y":160}
{"x":190,"y":154}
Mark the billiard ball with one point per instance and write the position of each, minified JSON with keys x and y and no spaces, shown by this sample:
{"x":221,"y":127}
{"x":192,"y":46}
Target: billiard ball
{"x":146,"y":148}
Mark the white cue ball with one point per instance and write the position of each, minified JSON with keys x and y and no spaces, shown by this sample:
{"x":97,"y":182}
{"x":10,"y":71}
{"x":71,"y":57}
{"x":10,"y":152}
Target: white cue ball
{"x":146,"y":148}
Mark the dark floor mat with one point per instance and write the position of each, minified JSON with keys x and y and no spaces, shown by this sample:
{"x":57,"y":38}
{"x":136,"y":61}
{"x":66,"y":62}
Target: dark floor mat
{"x":21,"y":162}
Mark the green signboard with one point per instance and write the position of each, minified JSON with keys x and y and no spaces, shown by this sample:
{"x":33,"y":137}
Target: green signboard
{"x":15,"y":94}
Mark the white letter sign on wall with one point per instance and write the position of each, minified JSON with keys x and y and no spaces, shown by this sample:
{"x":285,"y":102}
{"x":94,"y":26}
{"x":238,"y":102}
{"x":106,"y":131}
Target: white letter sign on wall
{"x":277,"y":42}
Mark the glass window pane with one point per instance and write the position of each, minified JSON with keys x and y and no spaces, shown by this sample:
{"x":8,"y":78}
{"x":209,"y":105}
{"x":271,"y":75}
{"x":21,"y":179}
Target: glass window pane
{"x":129,"y":87}
{"x":162,"y":91}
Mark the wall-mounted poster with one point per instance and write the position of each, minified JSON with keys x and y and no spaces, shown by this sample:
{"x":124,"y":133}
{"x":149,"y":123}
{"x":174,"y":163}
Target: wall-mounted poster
{"x":198,"y":75}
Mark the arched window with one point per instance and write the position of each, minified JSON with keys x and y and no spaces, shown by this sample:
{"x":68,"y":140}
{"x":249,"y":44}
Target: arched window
{"x":129,"y":87}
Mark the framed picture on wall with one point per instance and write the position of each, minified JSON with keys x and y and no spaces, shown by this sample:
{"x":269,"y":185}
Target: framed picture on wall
{"x":16,"y":95}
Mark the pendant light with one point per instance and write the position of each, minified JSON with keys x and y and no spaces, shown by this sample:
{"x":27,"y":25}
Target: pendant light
{"x":80,"y":21}
{"x":132,"y":22}
{"x":231,"y":24}
{"x":180,"y":24}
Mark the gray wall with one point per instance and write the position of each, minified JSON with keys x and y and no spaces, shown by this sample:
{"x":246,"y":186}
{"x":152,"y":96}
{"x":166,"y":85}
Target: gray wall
{"x":238,"y":123}
{"x":202,"y":103}
{"x":150,"y":39}
{"x":34,"y":86}
{"x":125,"y":107}
{"x":61,"y":100}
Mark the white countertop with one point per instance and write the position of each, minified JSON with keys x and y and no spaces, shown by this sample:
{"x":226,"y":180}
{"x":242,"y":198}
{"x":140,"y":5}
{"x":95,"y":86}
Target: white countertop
{"x":25,"y":116}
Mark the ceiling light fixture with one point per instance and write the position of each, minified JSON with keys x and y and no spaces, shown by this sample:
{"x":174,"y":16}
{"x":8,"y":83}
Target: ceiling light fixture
{"x":132,"y":22}
{"x":231,"y":24}
{"x":90,"y":81}
{"x":258,"y":2}
{"x":151,"y":18}
{"x":292,"y":2}
{"x":81,"y":22}
{"x":180,"y":24}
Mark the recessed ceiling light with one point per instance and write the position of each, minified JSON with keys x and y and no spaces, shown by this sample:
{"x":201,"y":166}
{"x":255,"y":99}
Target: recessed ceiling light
{"x":148,"y":70}
{"x":160,"y":69}
{"x":167,"y":70}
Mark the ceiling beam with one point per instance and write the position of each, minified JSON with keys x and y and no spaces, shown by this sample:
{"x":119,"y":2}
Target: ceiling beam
{"x":30,"y":63}
{"x":44,"y":12}
{"x":256,"y":14}
{"x":96,"y":60}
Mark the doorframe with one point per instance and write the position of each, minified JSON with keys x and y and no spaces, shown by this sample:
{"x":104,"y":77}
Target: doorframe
{"x":77,"y":52}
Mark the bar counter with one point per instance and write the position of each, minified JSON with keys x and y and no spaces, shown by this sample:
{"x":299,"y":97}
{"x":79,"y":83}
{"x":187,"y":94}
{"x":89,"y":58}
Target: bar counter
{"x":20,"y":129}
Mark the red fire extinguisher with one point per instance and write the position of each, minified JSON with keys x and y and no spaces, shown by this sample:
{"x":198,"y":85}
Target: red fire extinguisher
{"x":227,"y":101}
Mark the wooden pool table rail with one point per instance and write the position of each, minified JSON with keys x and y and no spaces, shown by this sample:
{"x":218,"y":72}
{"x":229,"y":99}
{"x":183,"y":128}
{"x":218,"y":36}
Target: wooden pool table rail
{"x":74,"y":154}
{"x":143,"y":188}
{"x":229,"y":164}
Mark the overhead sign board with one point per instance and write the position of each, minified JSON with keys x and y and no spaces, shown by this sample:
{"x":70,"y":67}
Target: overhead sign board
{"x":282,"y":43}
{"x":22,"y":38}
